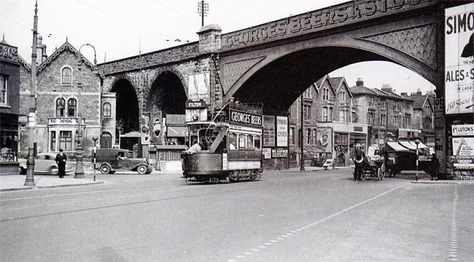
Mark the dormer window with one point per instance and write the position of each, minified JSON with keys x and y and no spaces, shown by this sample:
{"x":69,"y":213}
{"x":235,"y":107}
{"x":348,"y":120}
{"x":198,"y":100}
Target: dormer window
{"x":66,"y":76}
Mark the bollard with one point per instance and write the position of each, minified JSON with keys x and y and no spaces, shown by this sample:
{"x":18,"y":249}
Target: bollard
{"x":30,"y":168}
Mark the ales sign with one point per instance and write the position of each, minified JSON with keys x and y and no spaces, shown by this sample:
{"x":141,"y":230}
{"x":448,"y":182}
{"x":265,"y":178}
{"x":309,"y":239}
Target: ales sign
{"x":459,"y":54}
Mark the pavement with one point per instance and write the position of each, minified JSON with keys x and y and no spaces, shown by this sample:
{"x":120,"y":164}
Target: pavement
{"x":16,"y":182}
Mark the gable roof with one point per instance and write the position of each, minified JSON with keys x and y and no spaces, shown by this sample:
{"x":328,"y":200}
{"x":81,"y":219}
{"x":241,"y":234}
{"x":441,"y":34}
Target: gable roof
{"x":65,"y":47}
{"x":24,"y":64}
{"x":362,"y":90}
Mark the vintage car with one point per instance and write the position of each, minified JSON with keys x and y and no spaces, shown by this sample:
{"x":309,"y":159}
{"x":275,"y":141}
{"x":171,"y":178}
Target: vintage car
{"x":108,"y":160}
{"x":45,"y":164}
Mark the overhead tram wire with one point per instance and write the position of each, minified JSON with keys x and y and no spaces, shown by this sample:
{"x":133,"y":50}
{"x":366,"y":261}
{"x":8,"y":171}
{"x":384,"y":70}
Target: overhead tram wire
{"x":176,"y":11}
{"x":123,"y":19}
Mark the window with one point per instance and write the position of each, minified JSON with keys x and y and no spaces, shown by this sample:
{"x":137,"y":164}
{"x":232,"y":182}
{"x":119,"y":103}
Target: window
{"x":232,"y":141}
{"x":249,"y":141}
{"x":66,"y":76}
{"x":308,"y":136}
{"x":71,"y":107}
{"x":326,"y":93}
{"x":292,"y":135}
{"x":107,"y":110}
{"x":3,"y":90}
{"x":313,"y":138}
{"x":325,"y":114}
{"x":60,"y":107}
{"x":258,"y":142}
{"x":342,"y":97}
{"x":242,"y":141}
{"x":371,"y":118}
{"x":65,"y":140}
{"x":53,"y":141}
{"x":106,"y":140}
{"x":306,"y":112}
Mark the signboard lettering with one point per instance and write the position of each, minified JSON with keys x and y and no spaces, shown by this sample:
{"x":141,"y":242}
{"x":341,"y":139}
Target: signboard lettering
{"x":459,"y":57}
{"x":245,"y":118}
{"x":463,"y":130}
{"x":282,"y":131}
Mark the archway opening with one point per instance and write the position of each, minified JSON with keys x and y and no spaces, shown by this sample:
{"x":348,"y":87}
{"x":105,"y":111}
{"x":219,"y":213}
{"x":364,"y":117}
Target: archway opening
{"x":166,"y":97}
{"x":127,"y":107}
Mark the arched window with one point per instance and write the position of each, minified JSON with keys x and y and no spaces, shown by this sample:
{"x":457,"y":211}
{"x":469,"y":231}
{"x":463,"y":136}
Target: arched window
{"x":106,"y":140}
{"x":66,"y":76}
{"x":107,"y":110}
{"x":71,"y":107}
{"x":60,"y":107}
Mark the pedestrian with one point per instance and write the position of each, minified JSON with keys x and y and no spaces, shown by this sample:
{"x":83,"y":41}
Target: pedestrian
{"x":61,"y":159}
{"x":434,"y":167}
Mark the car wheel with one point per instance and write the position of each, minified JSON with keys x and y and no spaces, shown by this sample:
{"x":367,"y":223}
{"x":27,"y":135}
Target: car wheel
{"x":53,"y":170}
{"x":105,"y":169}
{"x":142,"y":169}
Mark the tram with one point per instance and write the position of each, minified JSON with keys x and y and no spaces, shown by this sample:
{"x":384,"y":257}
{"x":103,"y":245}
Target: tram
{"x":229,"y":149}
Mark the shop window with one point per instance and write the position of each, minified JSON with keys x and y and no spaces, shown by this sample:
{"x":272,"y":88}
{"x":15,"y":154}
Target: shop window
{"x":53,"y":141}
{"x":71,"y":107}
{"x":107,"y":110}
{"x":60,"y":107}
{"x":3,"y":90}
{"x":65,"y":140}
{"x":66,"y":76}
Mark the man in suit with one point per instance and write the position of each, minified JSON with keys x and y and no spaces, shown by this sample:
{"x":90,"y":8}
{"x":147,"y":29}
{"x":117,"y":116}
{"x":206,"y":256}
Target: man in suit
{"x":61,"y":159}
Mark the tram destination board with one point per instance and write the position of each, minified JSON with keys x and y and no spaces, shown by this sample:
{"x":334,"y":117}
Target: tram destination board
{"x":244,"y":118}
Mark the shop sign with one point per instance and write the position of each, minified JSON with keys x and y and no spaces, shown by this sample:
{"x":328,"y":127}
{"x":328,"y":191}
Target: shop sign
{"x":245,"y":118}
{"x":459,"y":59}
{"x":463,"y":163}
{"x":463,"y":130}
{"x":190,"y":104}
{"x":279,"y":152}
{"x":282,"y":131}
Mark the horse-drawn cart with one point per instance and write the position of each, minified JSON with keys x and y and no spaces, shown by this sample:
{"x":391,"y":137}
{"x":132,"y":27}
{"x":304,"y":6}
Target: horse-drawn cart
{"x":372,"y":167}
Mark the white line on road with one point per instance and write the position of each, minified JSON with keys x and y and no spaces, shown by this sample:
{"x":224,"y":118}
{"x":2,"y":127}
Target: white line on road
{"x":296,"y":231}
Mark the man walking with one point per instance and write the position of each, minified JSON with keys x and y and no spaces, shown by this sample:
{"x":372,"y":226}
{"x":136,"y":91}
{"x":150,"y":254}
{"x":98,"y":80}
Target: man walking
{"x":61,"y":159}
{"x":434,"y":167}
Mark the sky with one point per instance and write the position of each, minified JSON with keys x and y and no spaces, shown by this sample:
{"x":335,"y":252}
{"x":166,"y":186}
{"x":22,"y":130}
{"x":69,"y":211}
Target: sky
{"x":122,"y":28}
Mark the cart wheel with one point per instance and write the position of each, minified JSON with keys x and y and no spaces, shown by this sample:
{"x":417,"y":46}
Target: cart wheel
{"x":379,"y":173}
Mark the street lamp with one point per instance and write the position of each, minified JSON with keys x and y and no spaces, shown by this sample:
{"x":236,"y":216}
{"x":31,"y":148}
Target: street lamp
{"x":95,"y":138}
{"x":95,"y":59}
{"x":417,"y":142}
{"x":79,"y":150}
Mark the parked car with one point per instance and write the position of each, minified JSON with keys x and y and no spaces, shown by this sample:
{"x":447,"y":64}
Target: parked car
{"x":111,"y":159}
{"x":45,"y":164}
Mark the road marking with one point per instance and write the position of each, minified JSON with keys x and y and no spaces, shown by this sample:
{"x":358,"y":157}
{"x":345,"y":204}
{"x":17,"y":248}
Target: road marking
{"x":453,"y":239}
{"x":296,"y":231}
{"x":57,"y":195}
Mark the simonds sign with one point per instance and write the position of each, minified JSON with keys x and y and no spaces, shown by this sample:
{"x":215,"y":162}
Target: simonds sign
{"x":459,"y":57}
{"x":245,"y":118}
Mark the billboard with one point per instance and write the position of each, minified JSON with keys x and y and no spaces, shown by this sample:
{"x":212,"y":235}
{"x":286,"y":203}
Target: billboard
{"x":459,"y":59}
{"x":324,"y":137}
{"x":282,"y":131}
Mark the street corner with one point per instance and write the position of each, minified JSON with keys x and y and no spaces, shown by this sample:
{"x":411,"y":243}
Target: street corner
{"x":17,"y":182}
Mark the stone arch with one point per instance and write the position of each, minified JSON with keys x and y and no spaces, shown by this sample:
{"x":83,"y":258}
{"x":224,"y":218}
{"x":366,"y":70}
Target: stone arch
{"x":167,"y":92}
{"x":127,"y":106}
{"x":296,"y":66}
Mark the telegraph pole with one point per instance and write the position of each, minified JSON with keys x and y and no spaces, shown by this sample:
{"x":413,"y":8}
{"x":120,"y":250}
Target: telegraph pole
{"x":203,"y":9}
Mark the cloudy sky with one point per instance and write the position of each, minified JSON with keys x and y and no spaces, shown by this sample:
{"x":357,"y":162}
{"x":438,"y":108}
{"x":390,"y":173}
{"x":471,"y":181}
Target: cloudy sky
{"x":122,"y":28}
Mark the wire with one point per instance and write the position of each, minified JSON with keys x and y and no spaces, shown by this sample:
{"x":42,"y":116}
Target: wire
{"x":176,"y":11}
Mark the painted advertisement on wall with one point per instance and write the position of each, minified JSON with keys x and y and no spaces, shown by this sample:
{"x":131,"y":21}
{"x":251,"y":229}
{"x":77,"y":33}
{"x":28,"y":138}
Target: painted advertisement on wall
{"x":199,"y":87}
{"x":282,"y":131}
{"x":459,"y":57}
{"x":324,"y":139}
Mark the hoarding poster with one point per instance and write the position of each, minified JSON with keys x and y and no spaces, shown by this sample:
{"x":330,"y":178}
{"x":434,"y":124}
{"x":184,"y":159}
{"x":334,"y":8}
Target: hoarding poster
{"x":269,"y":131}
{"x":282,"y":131}
{"x":199,"y":87}
{"x":463,"y":146}
{"x":324,"y":139}
{"x":459,"y":58}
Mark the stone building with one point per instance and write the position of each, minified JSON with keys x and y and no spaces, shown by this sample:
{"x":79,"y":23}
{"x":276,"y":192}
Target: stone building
{"x":330,"y":125}
{"x":423,"y":116}
{"x":67,"y":100}
{"x":9,"y":107}
{"x":388,"y":115}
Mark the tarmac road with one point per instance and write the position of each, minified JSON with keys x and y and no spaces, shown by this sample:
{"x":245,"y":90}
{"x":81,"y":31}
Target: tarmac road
{"x":287,"y":216}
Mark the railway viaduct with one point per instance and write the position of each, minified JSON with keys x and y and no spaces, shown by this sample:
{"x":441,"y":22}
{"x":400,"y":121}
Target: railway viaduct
{"x":273,"y":63}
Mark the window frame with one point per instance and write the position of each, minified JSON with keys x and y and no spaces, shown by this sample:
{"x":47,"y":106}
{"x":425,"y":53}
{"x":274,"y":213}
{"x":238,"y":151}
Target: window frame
{"x":74,"y":106}
{"x":106,"y":110}
{"x":65,"y":83}
{"x":57,"y":105}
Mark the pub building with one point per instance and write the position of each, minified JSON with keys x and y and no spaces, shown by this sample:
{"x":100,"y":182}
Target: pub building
{"x":9,"y":107}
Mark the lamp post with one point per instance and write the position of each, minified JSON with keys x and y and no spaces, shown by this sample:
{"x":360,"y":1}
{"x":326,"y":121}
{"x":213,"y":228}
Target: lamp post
{"x":79,"y":150}
{"x":301,"y":133}
{"x":95,"y":138}
{"x":417,"y":142}
{"x":95,"y":56}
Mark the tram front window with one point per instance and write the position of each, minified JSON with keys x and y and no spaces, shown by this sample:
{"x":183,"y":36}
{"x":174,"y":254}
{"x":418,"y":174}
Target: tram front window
{"x":250,"y":142}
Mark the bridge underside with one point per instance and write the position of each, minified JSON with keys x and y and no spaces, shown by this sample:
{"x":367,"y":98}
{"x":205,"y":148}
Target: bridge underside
{"x":278,"y":84}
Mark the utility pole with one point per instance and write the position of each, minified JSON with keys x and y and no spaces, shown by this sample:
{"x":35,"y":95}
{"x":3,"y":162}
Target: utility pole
{"x":203,"y":10}
{"x":302,"y":133}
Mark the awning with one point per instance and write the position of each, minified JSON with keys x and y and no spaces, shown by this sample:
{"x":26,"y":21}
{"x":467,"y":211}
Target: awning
{"x":412,"y":145}
{"x":176,"y":131}
{"x":397,"y":147}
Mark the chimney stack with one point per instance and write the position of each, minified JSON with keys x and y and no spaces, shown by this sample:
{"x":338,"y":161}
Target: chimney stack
{"x":359,"y":82}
